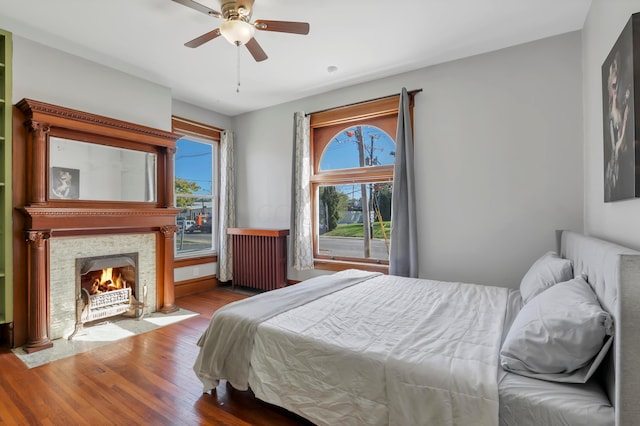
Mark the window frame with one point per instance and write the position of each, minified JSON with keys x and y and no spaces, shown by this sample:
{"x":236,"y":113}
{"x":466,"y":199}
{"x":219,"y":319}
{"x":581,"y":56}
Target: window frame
{"x":381,"y":113}
{"x":200,"y":132}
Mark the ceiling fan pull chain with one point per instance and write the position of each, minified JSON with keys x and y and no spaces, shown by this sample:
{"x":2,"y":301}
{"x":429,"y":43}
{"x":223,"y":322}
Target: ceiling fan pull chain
{"x":238,"y":52}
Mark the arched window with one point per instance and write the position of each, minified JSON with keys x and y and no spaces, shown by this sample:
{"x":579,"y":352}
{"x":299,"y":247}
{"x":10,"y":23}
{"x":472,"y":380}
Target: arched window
{"x":358,"y":146}
{"x":353,"y":152}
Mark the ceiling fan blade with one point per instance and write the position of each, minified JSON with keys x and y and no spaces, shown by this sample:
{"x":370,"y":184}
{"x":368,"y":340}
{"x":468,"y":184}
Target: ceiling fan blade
{"x":255,"y":50}
{"x":200,"y":8}
{"x":198,"y":41}
{"x":283,"y":26}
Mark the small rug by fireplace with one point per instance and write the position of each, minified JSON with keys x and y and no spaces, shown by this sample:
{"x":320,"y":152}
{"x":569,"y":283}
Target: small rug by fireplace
{"x":101,"y":334}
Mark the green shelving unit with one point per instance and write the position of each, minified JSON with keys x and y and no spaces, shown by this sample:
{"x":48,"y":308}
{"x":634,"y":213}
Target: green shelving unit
{"x":6,"y":243}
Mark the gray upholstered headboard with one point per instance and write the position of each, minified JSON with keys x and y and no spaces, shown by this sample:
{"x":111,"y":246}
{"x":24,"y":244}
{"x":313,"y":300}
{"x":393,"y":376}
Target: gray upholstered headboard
{"x":614,"y":273}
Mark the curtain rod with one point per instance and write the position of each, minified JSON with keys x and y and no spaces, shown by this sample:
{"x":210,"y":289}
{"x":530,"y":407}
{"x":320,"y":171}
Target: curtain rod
{"x":410,"y":92}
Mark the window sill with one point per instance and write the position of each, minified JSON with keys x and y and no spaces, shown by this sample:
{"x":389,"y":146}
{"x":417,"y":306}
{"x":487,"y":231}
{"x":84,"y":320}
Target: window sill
{"x":180,"y":262}
{"x":338,"y":265}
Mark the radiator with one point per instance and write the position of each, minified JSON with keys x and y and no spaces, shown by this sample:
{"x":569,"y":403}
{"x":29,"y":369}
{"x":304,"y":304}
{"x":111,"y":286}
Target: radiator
{"x":259,"y":257}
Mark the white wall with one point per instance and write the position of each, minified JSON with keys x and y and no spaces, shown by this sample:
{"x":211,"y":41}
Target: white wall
{"x":201,"y":115}
{"x":53,"y":76}
{"x":618,"y":221}
{"x":50,"y":75}
{"x":498,"y":143}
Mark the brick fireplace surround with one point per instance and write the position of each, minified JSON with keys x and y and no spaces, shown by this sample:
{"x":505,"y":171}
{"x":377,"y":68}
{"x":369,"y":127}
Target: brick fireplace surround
{"x":47,"y":229}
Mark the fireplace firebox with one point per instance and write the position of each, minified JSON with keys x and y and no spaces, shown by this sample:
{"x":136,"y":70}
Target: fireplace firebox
{"x":107,"y":286}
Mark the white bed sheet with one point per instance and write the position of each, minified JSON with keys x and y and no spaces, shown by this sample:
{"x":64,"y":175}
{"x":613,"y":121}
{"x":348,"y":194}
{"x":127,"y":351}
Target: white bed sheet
{"x":526,"y":401}
{"x":531,"y":402}
{"x":390,"y":350}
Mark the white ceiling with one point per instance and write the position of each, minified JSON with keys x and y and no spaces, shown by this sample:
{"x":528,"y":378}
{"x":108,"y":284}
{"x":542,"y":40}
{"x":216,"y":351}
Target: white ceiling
{"x":364,"y":39}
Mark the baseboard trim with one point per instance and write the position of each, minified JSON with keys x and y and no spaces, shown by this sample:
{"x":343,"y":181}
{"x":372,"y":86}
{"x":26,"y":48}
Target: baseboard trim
{"x":195,"y":285}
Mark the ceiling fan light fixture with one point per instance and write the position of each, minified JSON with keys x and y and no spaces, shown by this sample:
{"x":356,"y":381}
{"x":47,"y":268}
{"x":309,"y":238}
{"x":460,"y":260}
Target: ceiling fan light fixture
{"x":237,"y":32}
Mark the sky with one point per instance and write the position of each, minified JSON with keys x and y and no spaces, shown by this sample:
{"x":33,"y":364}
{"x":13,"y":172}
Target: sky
{"x":193,"y":162}
{"x":342,"y":151}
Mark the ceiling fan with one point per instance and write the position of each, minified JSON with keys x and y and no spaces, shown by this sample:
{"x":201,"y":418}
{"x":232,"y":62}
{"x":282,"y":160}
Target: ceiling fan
{"x":237,"y":27}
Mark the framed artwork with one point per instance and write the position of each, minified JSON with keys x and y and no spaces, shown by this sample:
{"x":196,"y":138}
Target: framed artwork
{"x":64,"y":183}
{"x":620,"y":75}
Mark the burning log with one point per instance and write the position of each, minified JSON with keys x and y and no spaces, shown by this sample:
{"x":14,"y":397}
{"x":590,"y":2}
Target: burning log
{"x":106,"y":282}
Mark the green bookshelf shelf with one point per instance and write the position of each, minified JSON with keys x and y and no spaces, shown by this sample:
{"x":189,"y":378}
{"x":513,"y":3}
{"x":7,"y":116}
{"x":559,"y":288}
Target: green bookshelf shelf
{"x":6,"y":220}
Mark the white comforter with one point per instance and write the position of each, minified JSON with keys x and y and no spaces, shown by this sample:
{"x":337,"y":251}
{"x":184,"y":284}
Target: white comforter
{"x":389,"y":350}
{"x":227,"y":343}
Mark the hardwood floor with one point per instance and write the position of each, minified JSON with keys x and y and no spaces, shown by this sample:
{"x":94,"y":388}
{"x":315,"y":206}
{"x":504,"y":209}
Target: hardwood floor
{"x":145,"y":379}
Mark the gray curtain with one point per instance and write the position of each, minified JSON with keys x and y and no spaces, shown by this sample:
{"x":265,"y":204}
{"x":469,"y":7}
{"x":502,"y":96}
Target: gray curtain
{"x":227,"y":206}
{"x":301,"y":236}
{"x":403,"y":256}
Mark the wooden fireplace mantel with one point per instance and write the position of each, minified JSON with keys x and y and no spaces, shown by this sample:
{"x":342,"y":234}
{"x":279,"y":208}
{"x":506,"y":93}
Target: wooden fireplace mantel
{"x":38,"y":218}
{"x":97,"y":218}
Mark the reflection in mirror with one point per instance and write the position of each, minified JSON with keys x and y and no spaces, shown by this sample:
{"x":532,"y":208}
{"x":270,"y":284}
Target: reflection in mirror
{"x":88,"y":171}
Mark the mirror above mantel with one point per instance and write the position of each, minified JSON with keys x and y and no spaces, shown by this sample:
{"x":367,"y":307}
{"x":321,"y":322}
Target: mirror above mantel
{"x":79,"y":172}
{"x":88,"y":171}
{"x":76,"y":159}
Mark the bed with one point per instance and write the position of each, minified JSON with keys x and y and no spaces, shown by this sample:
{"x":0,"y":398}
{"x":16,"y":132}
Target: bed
{"x":363,"y":348}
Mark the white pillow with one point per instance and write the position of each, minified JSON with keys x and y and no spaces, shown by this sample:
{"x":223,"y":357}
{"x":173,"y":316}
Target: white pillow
{"x":548,"y":270}
{"x":559,"y":335}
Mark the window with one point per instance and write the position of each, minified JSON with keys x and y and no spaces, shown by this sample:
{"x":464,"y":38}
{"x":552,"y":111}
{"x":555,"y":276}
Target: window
{"x":196,"y":189}
{"x":352,"y":154}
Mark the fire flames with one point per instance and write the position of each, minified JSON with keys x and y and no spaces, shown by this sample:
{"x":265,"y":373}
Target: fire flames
{"x":107,"y":282}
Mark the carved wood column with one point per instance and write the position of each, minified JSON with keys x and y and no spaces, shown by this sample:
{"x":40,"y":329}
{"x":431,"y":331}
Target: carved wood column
{"x":38,"y":292}
{"x":37,"y":154}
{"x":168,"y":304}
{"x":170,"y":185}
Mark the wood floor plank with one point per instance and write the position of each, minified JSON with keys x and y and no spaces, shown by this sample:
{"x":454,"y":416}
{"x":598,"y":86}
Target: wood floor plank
{"x":11,"y":409}
{"x":142,"y":380}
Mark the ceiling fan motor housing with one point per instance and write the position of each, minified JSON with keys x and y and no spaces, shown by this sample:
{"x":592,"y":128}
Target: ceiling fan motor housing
{"x":233,"y":12}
